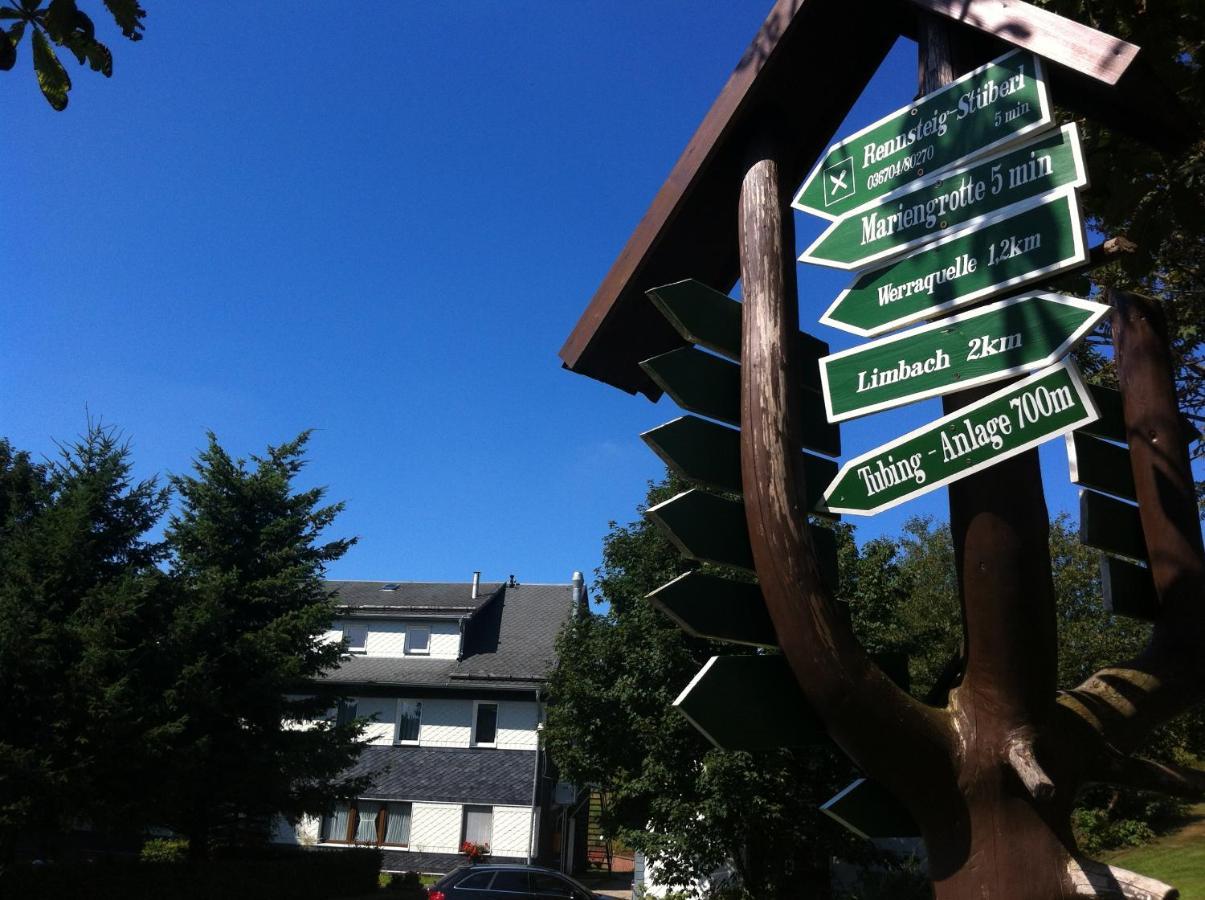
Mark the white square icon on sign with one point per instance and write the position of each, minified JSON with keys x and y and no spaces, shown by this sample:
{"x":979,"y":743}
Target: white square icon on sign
{"x":839,"y":181}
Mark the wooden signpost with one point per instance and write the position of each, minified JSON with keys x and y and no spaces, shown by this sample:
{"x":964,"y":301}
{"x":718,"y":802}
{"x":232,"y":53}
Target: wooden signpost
{"x":1010,"y":249}
{"x":1045,"y":405}
{"x":988,"y":344}
{"x":962,"y":196}
{"x":925,"y":211}
{"x":993,"y":105}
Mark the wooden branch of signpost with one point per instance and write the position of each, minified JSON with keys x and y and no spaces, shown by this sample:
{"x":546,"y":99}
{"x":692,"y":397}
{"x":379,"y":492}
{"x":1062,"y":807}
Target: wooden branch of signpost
{"x":857,"y":702}
{"x":1124,"y":702}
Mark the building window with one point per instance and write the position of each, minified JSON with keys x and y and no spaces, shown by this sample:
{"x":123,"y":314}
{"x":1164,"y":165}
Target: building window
{"x":356,"y":637}
{"x":485,"y":724}
{"x":397,"y":824}
{"x":373,"y":822}
{"x":409,"y":716}
{"x":418,"y":640}
{"x":478,"y":825}
{"x":345,"y":712}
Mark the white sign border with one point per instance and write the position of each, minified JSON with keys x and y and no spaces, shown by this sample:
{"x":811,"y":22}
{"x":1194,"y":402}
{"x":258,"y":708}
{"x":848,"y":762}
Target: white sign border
{"x":1097,"y":309}
{"x":1045,"y":121}
{"x":1080,"y":181}
{"x":1080,"y":388}
{"x":1078,"y":257}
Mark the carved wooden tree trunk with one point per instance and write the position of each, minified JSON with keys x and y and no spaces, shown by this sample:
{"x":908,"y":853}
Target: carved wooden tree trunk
{"x":992,"y":776}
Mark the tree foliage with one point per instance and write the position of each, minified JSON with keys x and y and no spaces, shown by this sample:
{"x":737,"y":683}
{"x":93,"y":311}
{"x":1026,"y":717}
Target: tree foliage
{"x":61,"y":23}
{"x":1154,"y":199}
{"x":147,"y":682}
{"x":250,"y":609}
{"x":77,"y":578}
{"x":690,"y":807}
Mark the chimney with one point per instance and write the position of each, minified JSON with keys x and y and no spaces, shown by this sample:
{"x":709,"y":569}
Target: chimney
{"x":476,"y":584}
{"x":579,"y":589}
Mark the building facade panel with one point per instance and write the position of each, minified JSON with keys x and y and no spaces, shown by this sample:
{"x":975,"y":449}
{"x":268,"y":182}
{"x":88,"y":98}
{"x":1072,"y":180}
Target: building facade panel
{"x":512,"y":830}
{"x":446,"y":722}
{"x":517,"y":725}
{"x":435,"y":827}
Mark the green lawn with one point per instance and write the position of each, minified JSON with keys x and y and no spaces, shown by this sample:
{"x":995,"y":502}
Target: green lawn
{"x":1177,"y":859}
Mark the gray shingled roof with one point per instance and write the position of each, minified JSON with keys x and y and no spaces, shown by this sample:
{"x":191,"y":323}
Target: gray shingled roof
{"x":448,"y":775}
{"x":386,"y":670}
{"x":412,"y":596}
{"x":515,"y":636}
{"x":509,"y":640}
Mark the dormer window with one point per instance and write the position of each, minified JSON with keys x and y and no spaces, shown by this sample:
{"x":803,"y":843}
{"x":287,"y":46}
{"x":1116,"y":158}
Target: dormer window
{"x":356,"y":637}
{"x":418,"y":640}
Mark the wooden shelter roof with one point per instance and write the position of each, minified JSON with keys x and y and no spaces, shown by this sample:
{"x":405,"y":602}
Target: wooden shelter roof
{"x":801,"y":74}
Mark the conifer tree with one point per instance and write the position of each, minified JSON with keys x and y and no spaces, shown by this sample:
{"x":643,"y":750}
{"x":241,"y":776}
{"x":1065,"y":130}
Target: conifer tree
{"x":242,"y":645}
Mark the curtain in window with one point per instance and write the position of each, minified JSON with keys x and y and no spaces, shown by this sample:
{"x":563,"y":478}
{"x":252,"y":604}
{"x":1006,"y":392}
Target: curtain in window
{"x":366,"y":827}
{"x":336,"y":825}
{"x":408,"y":727}
{"x":397,"y":828}
{"x":478,"y":824}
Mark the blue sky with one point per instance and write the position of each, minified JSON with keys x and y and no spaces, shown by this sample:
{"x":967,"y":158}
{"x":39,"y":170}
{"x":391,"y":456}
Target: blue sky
{"x":381,"y":226}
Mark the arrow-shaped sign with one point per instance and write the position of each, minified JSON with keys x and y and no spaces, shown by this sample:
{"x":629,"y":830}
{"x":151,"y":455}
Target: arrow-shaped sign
{"x":987,"y":108}
{"x":868,"y":810}
{"x":923,"y":212}
{"x":1005,"y":250}
{"x":1010,"y":421}
{"x":709,"y":606}
{"x":712,"y":320}
{"x":749,"y":703}
{"x":713,"y":529}
{"x":1129,"y":589}
{"x":702,"y":383}
{"x":1100,"y":465}
{"x":709,"y":454}
{"x":1111,"y":526}
{"x":987,"y":344}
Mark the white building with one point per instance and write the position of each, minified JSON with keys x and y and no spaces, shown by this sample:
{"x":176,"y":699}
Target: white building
{"x":452,"y":677}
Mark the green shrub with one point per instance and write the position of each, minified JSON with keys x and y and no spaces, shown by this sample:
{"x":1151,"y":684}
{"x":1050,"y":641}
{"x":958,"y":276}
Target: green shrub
{"x":408,"y":885}
{"x":164,"y":850}
{"x":1096,"y":831}
{"x":270,"y":872}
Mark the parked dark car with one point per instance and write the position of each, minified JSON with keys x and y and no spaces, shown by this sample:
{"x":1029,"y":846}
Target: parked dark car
{"x":488,"y":882}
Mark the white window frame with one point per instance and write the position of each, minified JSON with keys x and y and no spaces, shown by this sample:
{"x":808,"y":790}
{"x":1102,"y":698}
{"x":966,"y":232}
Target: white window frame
{"x":497,"y":719}
{"x":397,"y":724}
{"x":348,"y":628}
{"x":409,"y":648}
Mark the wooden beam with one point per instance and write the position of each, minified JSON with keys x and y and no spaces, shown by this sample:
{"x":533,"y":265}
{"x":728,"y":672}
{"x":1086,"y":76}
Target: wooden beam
{"x":1064,"y":41}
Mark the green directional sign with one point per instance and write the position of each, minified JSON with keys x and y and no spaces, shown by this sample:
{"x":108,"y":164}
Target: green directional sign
{"x":750,"y":702}
{"x":1009,"y":249}
{"x":709,"y":454}
{"x":926,"y":210}
{"x":987,"y":108}
{"x":1100,"y":465}
{"x":703,"y":383}
{"x":1129,"y":589}
{"x":722,"y":609}
{"x":706,"y":317}
{"x":1007,"y":338}
{"x":1111,"y":526}
{"x":713,"y":529}
{"x":868,"y":810}
{"x":1010,"y":421}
